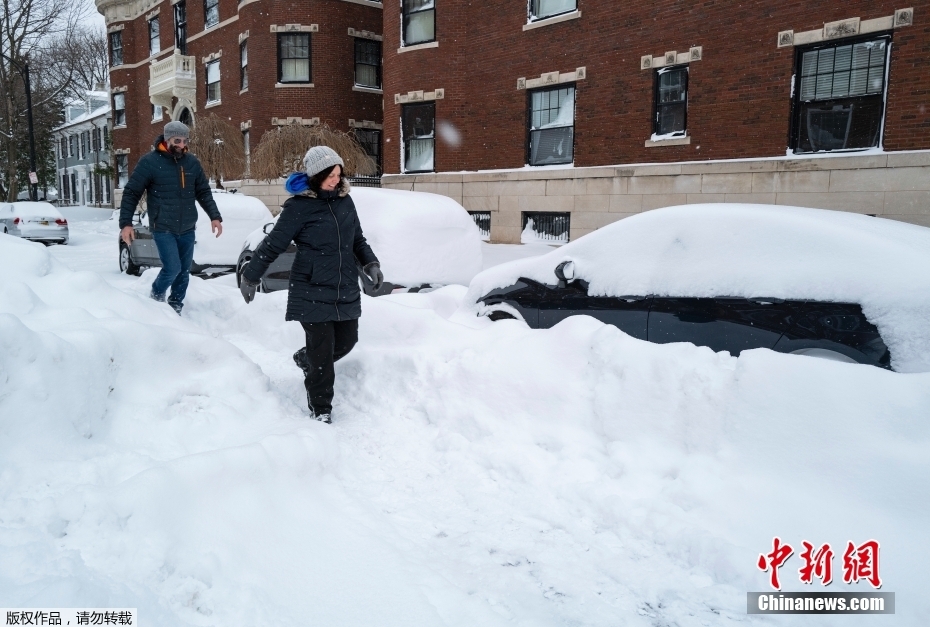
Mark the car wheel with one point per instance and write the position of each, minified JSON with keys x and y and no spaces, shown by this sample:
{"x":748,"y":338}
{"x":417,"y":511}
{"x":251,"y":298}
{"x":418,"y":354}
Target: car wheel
{"x":125,"y":261}
{"x":501,"y":315}
{"x":5,"y":230}
{"x":825,"y":353}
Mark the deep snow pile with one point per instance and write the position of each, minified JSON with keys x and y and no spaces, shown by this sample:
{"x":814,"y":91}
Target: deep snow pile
{"x":757,"y":251}
{"x":476,"y":473}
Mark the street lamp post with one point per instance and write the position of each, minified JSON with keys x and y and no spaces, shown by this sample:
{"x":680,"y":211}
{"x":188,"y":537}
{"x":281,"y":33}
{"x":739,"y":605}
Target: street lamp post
{"x":33,"y":179}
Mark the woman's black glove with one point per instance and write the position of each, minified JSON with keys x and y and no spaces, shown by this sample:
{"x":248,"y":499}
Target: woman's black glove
{"x":373,"y":270}
{"x":248,"y":289}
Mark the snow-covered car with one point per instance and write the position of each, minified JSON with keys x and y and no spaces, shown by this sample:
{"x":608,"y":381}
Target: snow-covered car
{"x":212,"y":255}
{"x":36,"y":221}
{"x":421,"y":240}
{"x":735,"y":277}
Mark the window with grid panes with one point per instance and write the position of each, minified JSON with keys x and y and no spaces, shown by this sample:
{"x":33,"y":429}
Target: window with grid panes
{"x":211,"y":13}
{"x":122,"y":170}
{"x":840,"y":95}
{"x":671,"y":101}
{"x":154,"y":38}
{"x":116,"y":48}
{"x":180,"y":26}
{"x":370,"y":139}
{"x":244,"y":65}
{"x":551,"y":125}
{"x":294,"y":58}
{"x":213,"y":81}
{"x":540,"y":9}
{"x":368,"y":63}
{"x":119,"y":109}
{"x":419,"y":19}
{"x":419,"y":125}
{"x":248,"y":152}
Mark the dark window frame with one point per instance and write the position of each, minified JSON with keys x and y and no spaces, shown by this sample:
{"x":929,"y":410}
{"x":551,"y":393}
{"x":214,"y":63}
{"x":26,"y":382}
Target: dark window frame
{"x":244,"y":65}
{"x":377,"y":65}
{"x":211,"y":13}
{"x":154,"y":36}
{"x":404,"y":14}
{"x":119,"y":113}
{"x":180,"y":26}
{"x":362,"y":134}
{"x":879,"y":99}
{"x":206,"y":73}
{"x":658,"y":106}
{"x":529,"y":121}
{"x":534,"y":11}
{"x":407,"y":139}
{"x":309,"y":58}
{"x":116,"y":48}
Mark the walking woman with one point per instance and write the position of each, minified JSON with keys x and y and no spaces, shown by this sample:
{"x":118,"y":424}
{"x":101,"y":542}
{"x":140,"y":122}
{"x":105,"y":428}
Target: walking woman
{"x":323,"y":295}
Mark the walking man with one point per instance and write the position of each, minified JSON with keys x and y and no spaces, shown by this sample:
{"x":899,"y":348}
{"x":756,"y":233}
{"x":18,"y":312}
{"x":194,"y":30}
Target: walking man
{"x":173,"y":179}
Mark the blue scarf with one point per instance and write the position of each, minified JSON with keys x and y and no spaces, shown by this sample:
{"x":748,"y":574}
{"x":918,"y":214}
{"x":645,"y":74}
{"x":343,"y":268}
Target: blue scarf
{"x":296,"y":183}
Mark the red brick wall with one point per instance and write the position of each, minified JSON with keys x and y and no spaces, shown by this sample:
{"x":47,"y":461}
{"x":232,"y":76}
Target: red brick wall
{"x":739,"y":94}
{"x":332,"y":67}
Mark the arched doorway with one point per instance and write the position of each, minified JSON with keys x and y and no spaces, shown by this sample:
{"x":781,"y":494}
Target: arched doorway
{"x":185,"y":117}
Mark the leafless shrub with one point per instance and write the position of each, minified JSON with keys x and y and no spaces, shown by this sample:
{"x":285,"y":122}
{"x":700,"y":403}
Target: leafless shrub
{"x":281,"y":151}
{"x":219,"y":147}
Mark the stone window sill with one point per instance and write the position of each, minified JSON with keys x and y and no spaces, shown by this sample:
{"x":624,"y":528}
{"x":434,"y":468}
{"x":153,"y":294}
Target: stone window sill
{"x":242,"y":91}
{"x":675,"y":141}
{"x":430,"y":44}
{"x":214,"y":103}
{"x":367,"y":90}
{"x":289,"y":85}
{"x":557,"y":19}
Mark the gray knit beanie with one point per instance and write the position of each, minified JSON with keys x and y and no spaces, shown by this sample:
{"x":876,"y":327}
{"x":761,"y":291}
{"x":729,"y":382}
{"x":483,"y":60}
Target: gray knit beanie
{"x":176,"y":129}
{"x":319,"y":158}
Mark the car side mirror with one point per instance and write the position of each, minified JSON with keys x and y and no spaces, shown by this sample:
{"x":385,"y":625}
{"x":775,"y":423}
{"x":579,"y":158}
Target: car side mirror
{"x":268,"y":228}
{"x":565,"y":273}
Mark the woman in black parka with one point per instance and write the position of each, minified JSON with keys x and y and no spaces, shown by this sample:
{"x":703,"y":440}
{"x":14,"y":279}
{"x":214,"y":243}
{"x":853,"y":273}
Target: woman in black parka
{"x":323,"y":295}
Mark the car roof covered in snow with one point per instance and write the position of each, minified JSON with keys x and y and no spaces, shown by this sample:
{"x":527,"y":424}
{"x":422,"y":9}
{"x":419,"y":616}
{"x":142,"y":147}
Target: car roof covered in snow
{"x":239,"y":206}
{"x":35,"y":209}
{"x":746,"y":250}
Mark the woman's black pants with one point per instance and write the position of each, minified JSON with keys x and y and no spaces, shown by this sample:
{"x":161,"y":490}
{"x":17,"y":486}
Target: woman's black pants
{"x":327,"y":343}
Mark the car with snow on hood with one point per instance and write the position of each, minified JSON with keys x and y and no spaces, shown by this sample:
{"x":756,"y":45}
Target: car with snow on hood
{"x":35,"y":221}
{"x":422,"y":241}
{"x":212,"y":255}
{"x":735,"y":277}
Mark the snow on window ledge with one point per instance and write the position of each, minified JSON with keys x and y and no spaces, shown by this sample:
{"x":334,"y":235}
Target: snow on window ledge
{"x":367,"y":90}
{"x":429,"y":44}
{"x":555,"y":19}
{"x":670,"y":139}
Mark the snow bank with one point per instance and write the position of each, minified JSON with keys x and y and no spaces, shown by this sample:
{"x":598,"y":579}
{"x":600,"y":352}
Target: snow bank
{"x":419,"y":237}
{"x":757,"y":251}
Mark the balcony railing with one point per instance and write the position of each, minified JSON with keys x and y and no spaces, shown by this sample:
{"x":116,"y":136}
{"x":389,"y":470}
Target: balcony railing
{"x":173,"y":76}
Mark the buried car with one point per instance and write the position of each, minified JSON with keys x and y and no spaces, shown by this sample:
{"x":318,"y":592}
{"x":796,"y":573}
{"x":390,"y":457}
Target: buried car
{"x":212,"y":255}
{"x":735,"y":277}
{"x":35,"y":221}
{"x":420,"y":239}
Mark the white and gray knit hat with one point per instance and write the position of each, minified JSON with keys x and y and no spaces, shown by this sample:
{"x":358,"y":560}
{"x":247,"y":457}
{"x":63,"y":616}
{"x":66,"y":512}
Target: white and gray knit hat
{"x":319,"y":158}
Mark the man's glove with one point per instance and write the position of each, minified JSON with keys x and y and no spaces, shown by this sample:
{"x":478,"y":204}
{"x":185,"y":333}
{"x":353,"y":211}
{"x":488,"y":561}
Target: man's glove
{"x":373,"y":270}
{"x":248,"y":289}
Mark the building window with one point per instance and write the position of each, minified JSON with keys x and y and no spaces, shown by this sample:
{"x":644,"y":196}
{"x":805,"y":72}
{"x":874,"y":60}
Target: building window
{"x":671,"y":101}
{"x":119,"y":109}
{"x":116,"y":48}
{"x":122,"y":170}
{"x":552,"y":126}
{"x":244,"y":65}
{"x":368,"y":63}
{"x":154,"y":39}
{"x":370,"y":139}
{"x":211,"y":13}
{"x":294,"y":58}
{"x":83,"y":146}
{"x":419,"y":21}
{"x":419,"y":123}
{"x":180,"y":26}
{"x":71,"y":142}
{"x":248,"y":152}
{"x":63,"y":147}
{"x":540,"y":9}
{"x":213,"y":81}
{"x":157,"y":113}
{"x":840,"y":96}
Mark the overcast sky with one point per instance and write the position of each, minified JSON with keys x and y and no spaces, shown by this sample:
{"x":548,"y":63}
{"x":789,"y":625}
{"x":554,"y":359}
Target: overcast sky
{"x":93,"y":18}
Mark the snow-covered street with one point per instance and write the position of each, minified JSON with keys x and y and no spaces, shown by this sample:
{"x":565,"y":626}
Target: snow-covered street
{"x":475,"y":473}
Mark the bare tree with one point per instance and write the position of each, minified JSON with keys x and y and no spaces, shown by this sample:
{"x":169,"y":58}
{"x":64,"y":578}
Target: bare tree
{"x":281,"y":151}
{"x":26,"y":28}
{"x":219,"y":147}
{"x":86,"y":51}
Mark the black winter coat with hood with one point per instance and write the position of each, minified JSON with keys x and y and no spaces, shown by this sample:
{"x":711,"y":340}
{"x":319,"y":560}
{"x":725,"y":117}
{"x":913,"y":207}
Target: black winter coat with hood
{"x":173,"y":182}
{"x":324,"y":277}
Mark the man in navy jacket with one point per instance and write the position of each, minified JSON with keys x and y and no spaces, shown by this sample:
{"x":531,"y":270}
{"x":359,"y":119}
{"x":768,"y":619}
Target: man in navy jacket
{"x":173,"y":179}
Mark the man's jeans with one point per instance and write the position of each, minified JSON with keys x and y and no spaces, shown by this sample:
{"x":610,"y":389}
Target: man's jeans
{"x":176,"y":253}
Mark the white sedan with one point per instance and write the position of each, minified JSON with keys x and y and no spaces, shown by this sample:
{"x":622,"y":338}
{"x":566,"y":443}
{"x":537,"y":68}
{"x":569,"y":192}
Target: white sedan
{"x":36,"y":221}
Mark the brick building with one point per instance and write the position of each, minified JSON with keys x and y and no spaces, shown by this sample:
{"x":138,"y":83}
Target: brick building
{"x":257,"y":63}
{"x":598,"y":110}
